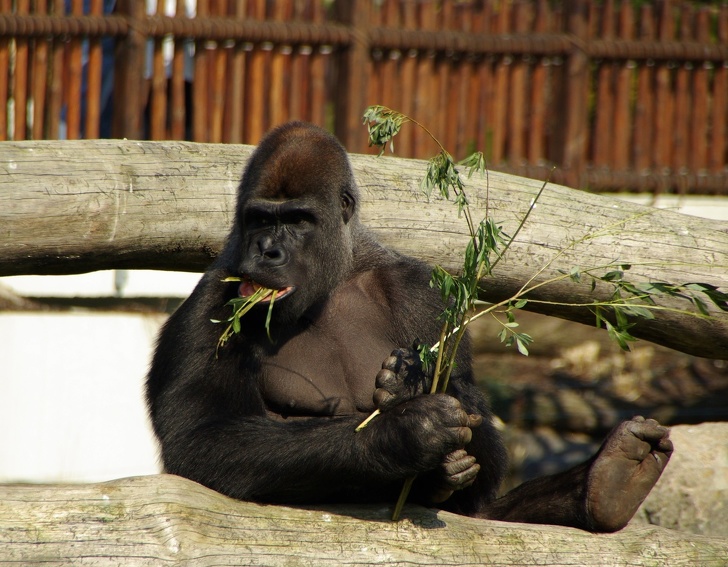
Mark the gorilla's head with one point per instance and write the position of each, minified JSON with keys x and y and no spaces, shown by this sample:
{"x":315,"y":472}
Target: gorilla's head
{"x":296,"y":219}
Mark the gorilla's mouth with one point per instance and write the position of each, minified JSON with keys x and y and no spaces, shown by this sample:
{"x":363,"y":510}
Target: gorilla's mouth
{"x":249,"y":287}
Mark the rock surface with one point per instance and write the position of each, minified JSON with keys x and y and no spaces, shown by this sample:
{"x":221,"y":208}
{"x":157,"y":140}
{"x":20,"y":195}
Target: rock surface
{"x":692,"y":494}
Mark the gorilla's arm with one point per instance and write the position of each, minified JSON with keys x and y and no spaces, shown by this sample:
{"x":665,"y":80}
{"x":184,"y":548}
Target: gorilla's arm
{"x":314,"y":460}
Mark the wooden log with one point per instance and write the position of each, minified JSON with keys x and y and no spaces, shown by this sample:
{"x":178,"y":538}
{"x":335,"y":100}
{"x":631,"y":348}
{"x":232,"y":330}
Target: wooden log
{"x":76,"y":206}
{"x":164,"y":519}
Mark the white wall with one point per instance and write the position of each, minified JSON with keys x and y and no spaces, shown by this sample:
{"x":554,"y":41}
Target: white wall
{"x":72,"y":384}
{"x":71,"y":396}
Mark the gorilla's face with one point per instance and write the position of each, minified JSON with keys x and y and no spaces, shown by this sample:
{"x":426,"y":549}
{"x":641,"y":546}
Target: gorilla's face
{"x":294,"y":220}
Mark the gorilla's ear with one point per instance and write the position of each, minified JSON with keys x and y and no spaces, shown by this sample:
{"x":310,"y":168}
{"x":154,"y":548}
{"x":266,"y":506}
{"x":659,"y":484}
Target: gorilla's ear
{"x":348,"y":205}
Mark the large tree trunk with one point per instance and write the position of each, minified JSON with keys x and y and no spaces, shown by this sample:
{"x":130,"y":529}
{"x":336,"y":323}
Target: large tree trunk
{"x":165,"y":519}
{"x":75,"y":206}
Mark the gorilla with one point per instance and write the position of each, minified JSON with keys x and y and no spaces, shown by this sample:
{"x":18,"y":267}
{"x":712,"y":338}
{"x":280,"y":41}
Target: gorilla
{"x":273,"y":418}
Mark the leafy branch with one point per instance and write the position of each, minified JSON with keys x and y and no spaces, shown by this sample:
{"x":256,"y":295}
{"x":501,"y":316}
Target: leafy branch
{"x":487,"y":246}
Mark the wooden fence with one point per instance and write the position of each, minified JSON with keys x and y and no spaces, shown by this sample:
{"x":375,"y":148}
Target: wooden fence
{"x":615,"y":95}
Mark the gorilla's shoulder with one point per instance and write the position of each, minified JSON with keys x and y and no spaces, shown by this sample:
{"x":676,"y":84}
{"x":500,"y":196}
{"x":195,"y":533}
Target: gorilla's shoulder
{"x":371,"y":255}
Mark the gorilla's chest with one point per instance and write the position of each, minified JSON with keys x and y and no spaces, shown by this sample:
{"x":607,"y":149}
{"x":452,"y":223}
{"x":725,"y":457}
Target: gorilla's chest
{"x":330,"y":369}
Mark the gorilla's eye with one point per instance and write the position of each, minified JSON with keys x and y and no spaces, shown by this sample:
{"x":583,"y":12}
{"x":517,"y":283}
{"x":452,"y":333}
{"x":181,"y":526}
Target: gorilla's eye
{"x":299,"y":218}
{"x":260,"y":220}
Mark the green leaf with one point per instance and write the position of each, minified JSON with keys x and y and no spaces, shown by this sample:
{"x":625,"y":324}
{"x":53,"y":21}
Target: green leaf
{"x":620,"y":336}
{"x":475,"y":162}
{"x":614,"y":275}
{"x":269,"y":314}
{"x":521,"y":346}
{"x":637,"y":311}
{"x":383,"y":124}
{"x":719,"y":298}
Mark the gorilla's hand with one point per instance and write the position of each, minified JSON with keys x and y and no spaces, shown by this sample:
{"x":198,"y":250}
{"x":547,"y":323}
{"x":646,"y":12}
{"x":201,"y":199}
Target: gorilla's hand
{"x":458,"y":470}
{"x":400,"y":379}
{"x":417,"y":435}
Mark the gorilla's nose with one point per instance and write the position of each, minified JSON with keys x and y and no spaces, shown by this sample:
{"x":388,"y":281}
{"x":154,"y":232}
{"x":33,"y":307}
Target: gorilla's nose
{"x":272,"y":254}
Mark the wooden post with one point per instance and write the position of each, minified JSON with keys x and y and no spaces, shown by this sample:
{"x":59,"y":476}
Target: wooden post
{"x":129,"y":74}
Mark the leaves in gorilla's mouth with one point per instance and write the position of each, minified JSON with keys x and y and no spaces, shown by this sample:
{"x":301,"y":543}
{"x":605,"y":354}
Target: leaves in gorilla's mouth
{"x":248,"y":288}
{"x":250,"y":293}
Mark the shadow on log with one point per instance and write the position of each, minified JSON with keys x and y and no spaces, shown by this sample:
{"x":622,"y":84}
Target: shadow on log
{"x":165,"y":519}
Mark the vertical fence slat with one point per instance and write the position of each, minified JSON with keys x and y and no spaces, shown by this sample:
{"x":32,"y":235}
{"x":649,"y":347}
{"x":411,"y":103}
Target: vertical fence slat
{"x":228,"y":86}
{"x":256,"y":80}
{"x":484,"y":138}
{"x":620,"y":159}
{"x":699,"y":122}
{"x":538,"y":93}
{"x":499,"y":108}
{"x":681,"y":130}
{"x":603,"y":131}
{"x":319,"y":94}
{"x":217,"y":63}
{"x":216,"y":93}
{"x":446,"y":116}
{"x":235,"y":93}
{"x":643,"y":103}
{"x":663,"y":119}
{"x":469,"y":19}
{"x":424,"y":100}
{"x":129,"y":73}
{"x":39,"y":68}
{"x":199,"y":83}
{"x":177,"y":102}
{"x":375,"y":83}
{"x":387,"y":75}
{"x":55,"y":86}
{"x":158,"y":87}
{"x":297,"y":98}
{"x":408,"y":74}
{"x":74,"y":74}
{"x":93,"y":79}
{"x":280,"y":59}
{"x":719,"y":114}
{"x":577,"y":89}
{"x":353,"y":67}
{"x":5,"y":6}
{"x":20,"y":86}
{"x":517,"y":111}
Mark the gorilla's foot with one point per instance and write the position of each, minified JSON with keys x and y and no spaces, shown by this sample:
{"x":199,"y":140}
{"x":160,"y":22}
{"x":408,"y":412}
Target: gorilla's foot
{"x":624,"y":471}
